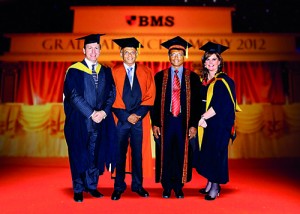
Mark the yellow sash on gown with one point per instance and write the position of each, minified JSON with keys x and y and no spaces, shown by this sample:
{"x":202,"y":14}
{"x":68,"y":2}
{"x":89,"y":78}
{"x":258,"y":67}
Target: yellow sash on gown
{"x":208,"y":100}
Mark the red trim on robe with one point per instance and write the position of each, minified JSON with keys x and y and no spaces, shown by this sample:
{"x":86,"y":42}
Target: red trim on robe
{"x":186,"y":144}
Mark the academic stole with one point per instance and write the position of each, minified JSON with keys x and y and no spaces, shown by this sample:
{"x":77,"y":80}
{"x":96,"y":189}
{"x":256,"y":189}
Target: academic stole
{"x":208,"y":100}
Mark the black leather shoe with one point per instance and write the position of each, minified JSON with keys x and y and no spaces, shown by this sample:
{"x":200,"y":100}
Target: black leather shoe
{"x":209,"y":198}
{"x":142,"y":192}
{"x":166,"y":193}
{"x":202,"y":191}
{"x":179,"y":194}
{"x":116,"y":195}
{"x":95,"y":193}
{"x":78,"y":197}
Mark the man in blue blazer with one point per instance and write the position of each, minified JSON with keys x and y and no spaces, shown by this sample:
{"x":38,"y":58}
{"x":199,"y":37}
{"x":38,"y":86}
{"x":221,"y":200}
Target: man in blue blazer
{"x":89,"y":92}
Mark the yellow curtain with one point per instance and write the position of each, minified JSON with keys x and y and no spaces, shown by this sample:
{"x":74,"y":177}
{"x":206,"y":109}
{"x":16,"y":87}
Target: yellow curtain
{"x":263,"y":131}
{"x":267,"y":131}
{"x":32,"y":131}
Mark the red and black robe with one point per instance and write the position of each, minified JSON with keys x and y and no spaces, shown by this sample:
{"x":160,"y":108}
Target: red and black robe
{"x":190,"y":102}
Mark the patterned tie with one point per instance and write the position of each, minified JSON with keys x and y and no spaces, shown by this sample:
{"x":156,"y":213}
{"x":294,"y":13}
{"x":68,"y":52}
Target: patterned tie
{"x":95,"y":75}
{"x":129,"y":74}
{"x":176,"y":95}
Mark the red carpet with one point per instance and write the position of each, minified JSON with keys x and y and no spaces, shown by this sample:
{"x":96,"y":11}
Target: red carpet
{"x":35,"y":185}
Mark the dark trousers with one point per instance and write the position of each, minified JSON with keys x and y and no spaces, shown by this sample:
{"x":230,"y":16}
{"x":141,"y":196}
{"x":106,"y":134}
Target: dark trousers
{"x":133,"y":134}
{"x":173,"y":153}
{"x":88,"y":179}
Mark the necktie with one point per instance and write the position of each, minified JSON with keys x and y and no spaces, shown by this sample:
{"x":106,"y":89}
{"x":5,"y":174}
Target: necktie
{"x":130,"y":74}
{"x":176,"y":95}
{"x":95,"y":75}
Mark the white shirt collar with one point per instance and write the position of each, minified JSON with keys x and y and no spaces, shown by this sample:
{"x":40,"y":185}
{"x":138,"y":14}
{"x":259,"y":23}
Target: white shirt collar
{"x":89,"y":63}
{"x":127,"y":66}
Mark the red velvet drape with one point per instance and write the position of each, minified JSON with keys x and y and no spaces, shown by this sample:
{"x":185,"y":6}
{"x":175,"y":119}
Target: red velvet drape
{"x":41,"y":82}
{"x":256,"y":82}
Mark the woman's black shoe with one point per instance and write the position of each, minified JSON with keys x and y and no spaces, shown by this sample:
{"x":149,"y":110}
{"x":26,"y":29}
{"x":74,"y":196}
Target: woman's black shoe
{"x":203,"y":191}
{"x":209,"y":198}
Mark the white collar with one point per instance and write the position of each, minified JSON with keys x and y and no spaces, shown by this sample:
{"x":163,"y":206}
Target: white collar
{"x":90,"y":63}
{"x":127,"y":66}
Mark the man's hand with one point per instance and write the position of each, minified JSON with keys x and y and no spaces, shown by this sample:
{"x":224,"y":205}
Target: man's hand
{"x":156,"y":131}
{"x":192,"y":132}
{"x":133,"y":118}
{"x":98,"y":116}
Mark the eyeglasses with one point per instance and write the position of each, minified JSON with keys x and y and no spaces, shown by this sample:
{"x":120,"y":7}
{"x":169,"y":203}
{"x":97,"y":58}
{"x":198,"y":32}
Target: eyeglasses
{"x":126,"y":53}
{"x":176,"y":54}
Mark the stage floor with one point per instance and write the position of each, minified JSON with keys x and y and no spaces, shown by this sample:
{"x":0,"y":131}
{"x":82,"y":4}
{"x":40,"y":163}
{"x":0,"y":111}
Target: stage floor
{"x":43,"y":185}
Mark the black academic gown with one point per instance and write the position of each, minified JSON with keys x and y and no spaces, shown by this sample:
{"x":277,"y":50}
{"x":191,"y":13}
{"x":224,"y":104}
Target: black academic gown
{"x":212,"y":160}
{"x":81,"y":99}
{"x":158,"y":117}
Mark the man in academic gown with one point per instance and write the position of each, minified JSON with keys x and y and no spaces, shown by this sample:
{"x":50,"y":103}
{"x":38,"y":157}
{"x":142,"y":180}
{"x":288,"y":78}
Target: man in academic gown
{"x":89,"y":93}
{"x":135,"y":93}
{"x":175,"y":119}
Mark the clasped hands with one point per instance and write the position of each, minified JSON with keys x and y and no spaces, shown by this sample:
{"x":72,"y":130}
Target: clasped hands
{"x":202,"y":123}
{"x":98,"y":116}
{"x":133,"y":118}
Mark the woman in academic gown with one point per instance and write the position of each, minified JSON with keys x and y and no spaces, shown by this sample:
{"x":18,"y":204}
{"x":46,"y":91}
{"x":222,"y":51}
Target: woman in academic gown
{"x":218,"y":114}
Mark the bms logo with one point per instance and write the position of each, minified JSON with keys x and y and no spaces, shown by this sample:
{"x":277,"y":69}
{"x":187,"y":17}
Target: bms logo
{"x":152,"y":21}
{"x":131,"y":20}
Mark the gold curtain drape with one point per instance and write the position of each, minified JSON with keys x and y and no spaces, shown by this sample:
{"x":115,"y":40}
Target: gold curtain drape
{"x":263,"y":131}
{"x":32,"y":131}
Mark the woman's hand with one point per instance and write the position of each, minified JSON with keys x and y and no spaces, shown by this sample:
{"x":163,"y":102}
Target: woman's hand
{"x":202,"y":123}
